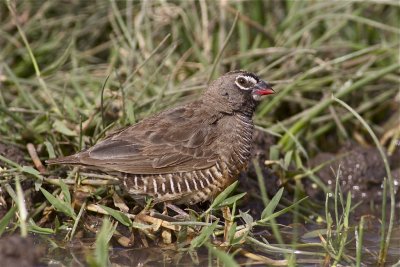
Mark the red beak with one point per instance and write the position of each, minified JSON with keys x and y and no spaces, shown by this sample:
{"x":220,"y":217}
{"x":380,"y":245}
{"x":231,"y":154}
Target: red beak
{"x":263,"y":88}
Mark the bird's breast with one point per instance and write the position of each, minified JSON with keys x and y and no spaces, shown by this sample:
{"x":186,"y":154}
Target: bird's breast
{"x":244,"y":138}
{"x":236,"y":148}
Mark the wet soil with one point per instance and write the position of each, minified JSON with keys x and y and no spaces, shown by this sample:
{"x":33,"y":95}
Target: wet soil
{"x":362,"y":173}
{"x":12,"y":153}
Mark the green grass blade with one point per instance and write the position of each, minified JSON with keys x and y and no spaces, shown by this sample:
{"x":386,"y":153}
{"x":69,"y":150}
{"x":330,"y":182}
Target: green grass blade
{"x":269,"y":209}
{"x":230,"y":200}
{"x":221,"y":197}
{"x":119,"y":216}
{"x":34,"y":228}
{"x":279,"y":213}
{"x":6,"y":219}
{"x":58,"y":204}
{"x":205,"y":234}
{"x":23,"y":213}
{"x":65,"y":192}
{"x":102,"y":243}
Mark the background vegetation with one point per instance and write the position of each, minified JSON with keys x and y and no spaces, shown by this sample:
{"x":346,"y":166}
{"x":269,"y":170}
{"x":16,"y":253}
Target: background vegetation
{"x":72,"y":70}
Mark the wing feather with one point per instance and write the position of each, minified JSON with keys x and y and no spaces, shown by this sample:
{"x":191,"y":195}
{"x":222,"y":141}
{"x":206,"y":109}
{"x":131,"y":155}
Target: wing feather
{"x":177,"y":140}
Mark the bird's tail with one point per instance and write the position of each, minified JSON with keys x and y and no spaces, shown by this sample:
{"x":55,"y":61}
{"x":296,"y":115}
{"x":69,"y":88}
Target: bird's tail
{"x":64,"y":160}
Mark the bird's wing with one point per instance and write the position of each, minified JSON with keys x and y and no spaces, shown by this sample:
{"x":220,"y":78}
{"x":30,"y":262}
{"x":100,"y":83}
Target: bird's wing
{"x":177,"y":140}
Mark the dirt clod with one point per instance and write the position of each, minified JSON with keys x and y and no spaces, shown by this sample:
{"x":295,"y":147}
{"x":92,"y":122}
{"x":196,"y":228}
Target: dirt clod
{"x":16,"y":251}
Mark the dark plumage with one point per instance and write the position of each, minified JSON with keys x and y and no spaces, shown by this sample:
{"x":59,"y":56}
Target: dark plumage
{"x":186,"y":154}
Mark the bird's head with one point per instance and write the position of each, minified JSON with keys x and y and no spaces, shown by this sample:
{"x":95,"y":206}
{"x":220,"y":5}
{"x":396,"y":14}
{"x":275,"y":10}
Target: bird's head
{"x":238,"y":90}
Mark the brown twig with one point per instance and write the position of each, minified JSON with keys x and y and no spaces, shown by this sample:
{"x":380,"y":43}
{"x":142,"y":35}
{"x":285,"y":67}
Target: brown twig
{"x":35,"y":158}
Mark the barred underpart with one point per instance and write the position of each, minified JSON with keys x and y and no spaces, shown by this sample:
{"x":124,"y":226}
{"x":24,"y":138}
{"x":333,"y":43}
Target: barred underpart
{"x":179,"y":188}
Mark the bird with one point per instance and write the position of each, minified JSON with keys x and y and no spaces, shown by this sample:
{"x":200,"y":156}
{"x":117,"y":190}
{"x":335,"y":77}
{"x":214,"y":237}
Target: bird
{"x":187,"y":154}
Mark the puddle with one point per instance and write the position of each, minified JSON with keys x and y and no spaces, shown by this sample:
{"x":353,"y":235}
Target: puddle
{"x":76,"y":253}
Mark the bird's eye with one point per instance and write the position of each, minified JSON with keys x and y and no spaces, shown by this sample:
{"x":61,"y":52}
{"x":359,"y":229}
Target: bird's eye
{"x":245,"y":82}
{"x":241,"y":81}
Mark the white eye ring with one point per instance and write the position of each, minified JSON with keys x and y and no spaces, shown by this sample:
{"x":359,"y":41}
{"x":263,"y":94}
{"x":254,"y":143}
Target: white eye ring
{"x":247,"y":84}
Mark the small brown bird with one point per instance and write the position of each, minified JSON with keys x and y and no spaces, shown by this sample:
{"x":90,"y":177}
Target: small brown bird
{"x":186,"y":154}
